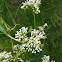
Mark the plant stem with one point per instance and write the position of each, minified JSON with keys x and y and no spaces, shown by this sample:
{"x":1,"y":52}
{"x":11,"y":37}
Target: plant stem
{"x":12,"y":45}
{"x":13,"y":49}
{"x":15,"y":26}
{"x":34,"y":21}
{"x":12,"y":38}
{"x":5,"y":23}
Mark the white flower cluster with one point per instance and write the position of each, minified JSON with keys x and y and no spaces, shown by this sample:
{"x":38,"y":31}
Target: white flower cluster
{"x":21,"y":35}
{"x":46,"y":59}
{"x":5,"y":57}
{"x":37,"y":35}
{"x":33,"y":46}
{"x":34,"y":4}
{"x":31,"y":43}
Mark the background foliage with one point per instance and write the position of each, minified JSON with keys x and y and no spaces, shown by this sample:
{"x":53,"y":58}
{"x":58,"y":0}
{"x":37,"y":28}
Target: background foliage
{"x":51,"y":12}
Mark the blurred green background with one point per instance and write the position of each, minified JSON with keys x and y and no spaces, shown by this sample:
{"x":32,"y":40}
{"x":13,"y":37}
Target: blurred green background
{"x":51,"y":13}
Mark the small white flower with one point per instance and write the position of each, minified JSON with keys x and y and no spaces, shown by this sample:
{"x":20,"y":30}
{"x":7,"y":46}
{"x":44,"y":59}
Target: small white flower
{"x":20,"y":59}
{"x":40,"y":28}
{"x":52,"y":61}
{"x":45,"y":58}
{"x":27,"y":61}
{"x":45,"y":25}
{"x":34,"y":52}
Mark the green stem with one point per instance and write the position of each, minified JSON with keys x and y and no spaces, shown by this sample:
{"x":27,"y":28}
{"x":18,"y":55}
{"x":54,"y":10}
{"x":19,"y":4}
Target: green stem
{"x":12,"y":38}
{"x":5,"y":23}
{"x":12,"y":45}
{"x":34,"y":21}
{"x":13,"y":50}
{"x":14,"y":27}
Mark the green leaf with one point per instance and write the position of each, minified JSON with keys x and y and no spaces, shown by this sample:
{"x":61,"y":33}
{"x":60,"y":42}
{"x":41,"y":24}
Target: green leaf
{"x":37,"y":56}
{"x":30,"y":29}
{"x":2,"y":29}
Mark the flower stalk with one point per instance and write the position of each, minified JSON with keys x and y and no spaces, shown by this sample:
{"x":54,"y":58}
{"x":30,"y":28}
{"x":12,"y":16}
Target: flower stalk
{"x":12,"y":38}
{"x":34,"y":21}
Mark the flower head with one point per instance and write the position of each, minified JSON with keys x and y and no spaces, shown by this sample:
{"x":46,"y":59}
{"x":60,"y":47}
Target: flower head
{"x":45,"y":58}
{"x":5,"y":56}
{"x":30,"y":43}
{"x":34,"y":4}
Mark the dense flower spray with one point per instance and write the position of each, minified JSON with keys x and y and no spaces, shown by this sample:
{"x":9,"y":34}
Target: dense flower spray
{"x":5,"y":57}
{"x":28,"y":43}
{"x":31,"y":43}
{"x":34,"y":4}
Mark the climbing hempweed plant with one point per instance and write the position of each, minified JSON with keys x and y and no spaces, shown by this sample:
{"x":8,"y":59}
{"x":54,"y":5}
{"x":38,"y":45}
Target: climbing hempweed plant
{"x":30,"y":40}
